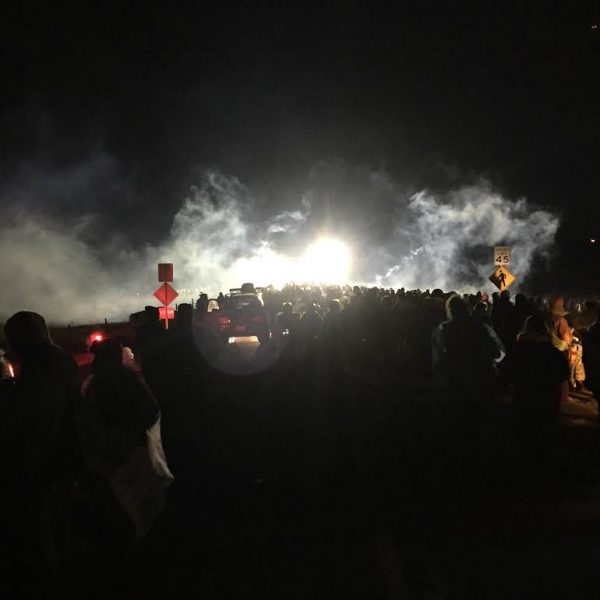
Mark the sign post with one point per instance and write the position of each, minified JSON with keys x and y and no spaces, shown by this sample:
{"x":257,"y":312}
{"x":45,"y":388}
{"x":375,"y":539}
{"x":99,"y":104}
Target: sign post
{"x":166,"y":293}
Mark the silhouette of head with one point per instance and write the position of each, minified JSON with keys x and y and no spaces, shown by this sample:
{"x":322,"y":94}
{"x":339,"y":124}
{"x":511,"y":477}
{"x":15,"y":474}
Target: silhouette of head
{"x":457,"y":308}
{"x":108,"y":353}
{"x":27,"y":333}
{"x":557,"y":306}
{"x":152,"y":314}
{"x":537,"y":326}
{"x":334,"y":306}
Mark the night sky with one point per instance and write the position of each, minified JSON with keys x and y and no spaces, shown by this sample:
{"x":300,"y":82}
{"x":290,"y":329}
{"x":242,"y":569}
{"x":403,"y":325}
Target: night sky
{"x":434,"y":92}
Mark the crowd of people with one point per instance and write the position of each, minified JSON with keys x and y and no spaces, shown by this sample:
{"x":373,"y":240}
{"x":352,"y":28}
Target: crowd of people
{"x":67,"y":434}
{"x":407,"y":326}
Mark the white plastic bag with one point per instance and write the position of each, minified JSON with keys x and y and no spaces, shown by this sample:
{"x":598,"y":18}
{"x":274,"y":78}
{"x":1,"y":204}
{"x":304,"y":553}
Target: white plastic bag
{"x":139,"y":484}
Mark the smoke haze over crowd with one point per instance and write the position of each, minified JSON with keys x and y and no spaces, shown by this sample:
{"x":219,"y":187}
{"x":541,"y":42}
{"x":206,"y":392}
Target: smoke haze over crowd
{"x":82,"y":268}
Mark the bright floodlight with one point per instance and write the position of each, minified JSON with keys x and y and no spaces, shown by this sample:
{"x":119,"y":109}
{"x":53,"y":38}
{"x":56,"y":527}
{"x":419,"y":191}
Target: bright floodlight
{"x":325,"y":261}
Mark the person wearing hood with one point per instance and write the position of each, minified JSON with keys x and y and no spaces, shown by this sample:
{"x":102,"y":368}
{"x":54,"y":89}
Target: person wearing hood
{"x":121,"y":439}
{"x":539,"y":373}
{"x":562,"y":334}
{"x":40,"y":451}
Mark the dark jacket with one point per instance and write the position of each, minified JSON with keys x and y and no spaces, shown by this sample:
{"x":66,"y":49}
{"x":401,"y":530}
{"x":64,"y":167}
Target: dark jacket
{"x":119,"y":408}
{"x":591,"y":358}
{"x":537,"y":370}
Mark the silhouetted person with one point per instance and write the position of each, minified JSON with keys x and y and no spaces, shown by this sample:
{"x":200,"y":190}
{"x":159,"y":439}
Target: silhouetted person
{"x":523,"y":309}
{"x":503,"y":318}
{"x":481,"y":312}
{"x":184,"y":320}
{"x":202,"y":305}
{"x":186,"y":365}
{"x":332,"y":320}
{"x":286,"y":321}
{"x":119,"y":413}
{"x":311,"y":323}
{"x":150,"y":347}
{"x":40,"y":452}
{"x":333,"y":333}
{"x":464,"y":353}
{"x":540,"y":375}
{"x":591,"y":357}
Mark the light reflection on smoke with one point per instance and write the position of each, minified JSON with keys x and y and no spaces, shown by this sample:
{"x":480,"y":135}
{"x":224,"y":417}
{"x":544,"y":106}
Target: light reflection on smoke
{"x":217,"y":242}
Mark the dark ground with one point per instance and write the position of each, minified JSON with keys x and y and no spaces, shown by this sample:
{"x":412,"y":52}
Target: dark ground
{"x":299,"y":483}
{"x":313,"y":481}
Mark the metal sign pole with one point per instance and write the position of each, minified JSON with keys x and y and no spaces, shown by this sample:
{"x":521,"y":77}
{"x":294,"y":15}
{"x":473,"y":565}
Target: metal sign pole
{"x":165,"y":294}
{"x":166,"y":311}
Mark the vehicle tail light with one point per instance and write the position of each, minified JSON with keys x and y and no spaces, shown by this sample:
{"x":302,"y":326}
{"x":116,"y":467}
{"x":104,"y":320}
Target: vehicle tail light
{"x":224,"y":322}
{"x":97,"y":336}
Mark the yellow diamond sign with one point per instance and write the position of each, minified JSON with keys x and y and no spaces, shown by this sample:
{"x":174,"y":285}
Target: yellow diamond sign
{"x":502,"y":278}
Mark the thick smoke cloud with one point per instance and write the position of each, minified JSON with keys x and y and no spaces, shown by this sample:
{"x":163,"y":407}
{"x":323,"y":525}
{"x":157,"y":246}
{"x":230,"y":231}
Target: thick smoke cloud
{"x":60,"y":266}
{"x":447,"y":241}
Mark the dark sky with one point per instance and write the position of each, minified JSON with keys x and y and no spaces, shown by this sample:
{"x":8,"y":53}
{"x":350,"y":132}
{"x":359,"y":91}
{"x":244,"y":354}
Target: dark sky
{"x":263,"y":90}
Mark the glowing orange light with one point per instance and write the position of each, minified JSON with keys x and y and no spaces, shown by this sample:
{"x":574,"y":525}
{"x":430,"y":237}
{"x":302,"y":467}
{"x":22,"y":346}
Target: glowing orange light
{"x":11,"y":370}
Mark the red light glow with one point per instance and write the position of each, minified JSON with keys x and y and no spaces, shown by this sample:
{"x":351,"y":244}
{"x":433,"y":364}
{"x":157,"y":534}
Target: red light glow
{"x":224,"y":322}
{"x":96,"y":337}
{"x":11,"y":370}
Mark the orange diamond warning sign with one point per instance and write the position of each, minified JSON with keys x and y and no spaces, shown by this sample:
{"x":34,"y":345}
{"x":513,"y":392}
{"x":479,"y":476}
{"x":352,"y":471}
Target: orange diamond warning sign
{"x":502,"y":278}
{"x":166,"y":294}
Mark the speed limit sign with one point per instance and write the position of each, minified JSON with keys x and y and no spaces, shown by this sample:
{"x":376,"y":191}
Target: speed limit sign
{"x":502,"y":255}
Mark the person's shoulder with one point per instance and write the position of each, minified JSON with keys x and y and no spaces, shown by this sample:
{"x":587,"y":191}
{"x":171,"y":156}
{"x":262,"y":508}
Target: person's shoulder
{"x":54,"y":356}
{"x":438,"y":330}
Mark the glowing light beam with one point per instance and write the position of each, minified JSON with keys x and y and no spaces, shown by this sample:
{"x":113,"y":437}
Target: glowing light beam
{"x":325,"y":261}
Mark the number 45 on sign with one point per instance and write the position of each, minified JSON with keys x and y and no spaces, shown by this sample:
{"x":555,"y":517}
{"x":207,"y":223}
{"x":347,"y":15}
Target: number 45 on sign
{"x":502,"y":255}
